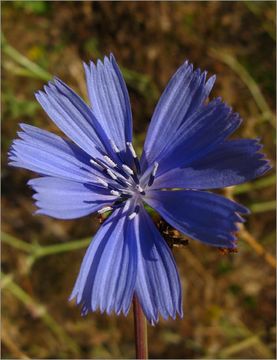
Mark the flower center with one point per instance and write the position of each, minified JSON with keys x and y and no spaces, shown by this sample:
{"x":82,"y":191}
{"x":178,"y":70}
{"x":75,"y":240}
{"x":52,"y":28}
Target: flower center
{"x":121,"y":179}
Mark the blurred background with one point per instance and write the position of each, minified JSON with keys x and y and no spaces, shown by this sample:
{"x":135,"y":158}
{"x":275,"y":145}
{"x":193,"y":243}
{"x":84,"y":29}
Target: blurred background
{"x":229,"y":300}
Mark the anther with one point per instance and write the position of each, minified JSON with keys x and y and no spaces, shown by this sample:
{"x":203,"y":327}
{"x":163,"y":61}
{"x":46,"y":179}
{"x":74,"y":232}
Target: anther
{"x":115,"y":148}
{"x":102,"y":182}
{"x":125,"y":192}
{"x":133,"y":152}
{"x":109,"y":161}
{"x":155,"y":169}
{"x":133,"y":214}
{"x":124,"y":179}
{"x":153,"y":174}
{"x":127,"y":169}
{"x":123,"y":183}
{"x":104,"y":209}
{"x":131,"y":148}
{"x":93,"y":162}
{"x":115,"y":193}
{"x":112,"y":174}
{"x":119,"y":178}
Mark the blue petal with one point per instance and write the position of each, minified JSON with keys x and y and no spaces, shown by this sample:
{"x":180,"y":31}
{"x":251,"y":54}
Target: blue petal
{"x":209,"y":126}
{"x":74,"y":118}
{"x":110,"y":100}
{"x":63,"y":199}
{"x":48,"y":154}
{"x":231,"y":163}
{"x":108,"y":273}
{"x":184,"y":94}
{"x":158,"y":285}
{"x":203,"y":216}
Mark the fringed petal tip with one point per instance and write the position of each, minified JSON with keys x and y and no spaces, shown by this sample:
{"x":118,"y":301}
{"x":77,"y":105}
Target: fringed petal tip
{"x":200,"y":73}
{"x":175,"y":316}
{"x":267,"y":166}
{"x":155,"y":319}
{"x":85,"y":309}
{"x":100,"y":63}
{"x":239,"y":209}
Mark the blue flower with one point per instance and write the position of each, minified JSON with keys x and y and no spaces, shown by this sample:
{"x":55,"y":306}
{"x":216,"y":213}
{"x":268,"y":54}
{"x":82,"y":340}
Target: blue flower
{"x":186,"y":151}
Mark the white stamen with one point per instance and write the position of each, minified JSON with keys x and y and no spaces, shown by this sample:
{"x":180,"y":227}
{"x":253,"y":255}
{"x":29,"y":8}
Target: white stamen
{"x":115,"y":148}
{"x":109,"y":161}
{"x":153,"y":174}
{"x":123,"y":178}
{"x":140,"y":189}
{"x":104,"y":209}
{"x":95,"y":164}
{"x":112,"y":175}
{"x":131,"y":216}
{"x":155,"y":169}
{"x":102,"y":182}
{"x":115,"y":193}
{"x":128,"y":169}
{"x":131,"y":148}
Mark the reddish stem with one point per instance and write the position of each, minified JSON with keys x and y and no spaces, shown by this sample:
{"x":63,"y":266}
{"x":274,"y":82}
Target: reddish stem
{"x":140,"y":330}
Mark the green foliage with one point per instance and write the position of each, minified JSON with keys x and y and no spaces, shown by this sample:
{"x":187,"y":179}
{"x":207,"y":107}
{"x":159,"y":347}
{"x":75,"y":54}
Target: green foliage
{"x":18,"y":108}
{"x":24,"y":66}
{"x":33,"y":7}
{"x":141,"y":83}
{"x":224,"y":267}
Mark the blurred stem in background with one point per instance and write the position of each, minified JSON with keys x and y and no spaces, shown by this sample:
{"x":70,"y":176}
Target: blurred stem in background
{"x":25,"y":67}
{"x":255,"y":185}
{"x":233,"y":63}
{"x":39,"y":311}
{"x":22,"y":66}
{"x":36,"y":251}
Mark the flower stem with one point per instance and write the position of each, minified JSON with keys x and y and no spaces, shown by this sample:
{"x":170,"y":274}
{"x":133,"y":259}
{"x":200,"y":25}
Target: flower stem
{"x":140,"y":330}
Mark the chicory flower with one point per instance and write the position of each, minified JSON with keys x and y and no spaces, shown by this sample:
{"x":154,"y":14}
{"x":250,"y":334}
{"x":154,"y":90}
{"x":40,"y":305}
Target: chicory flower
{"x":186,"y":151}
